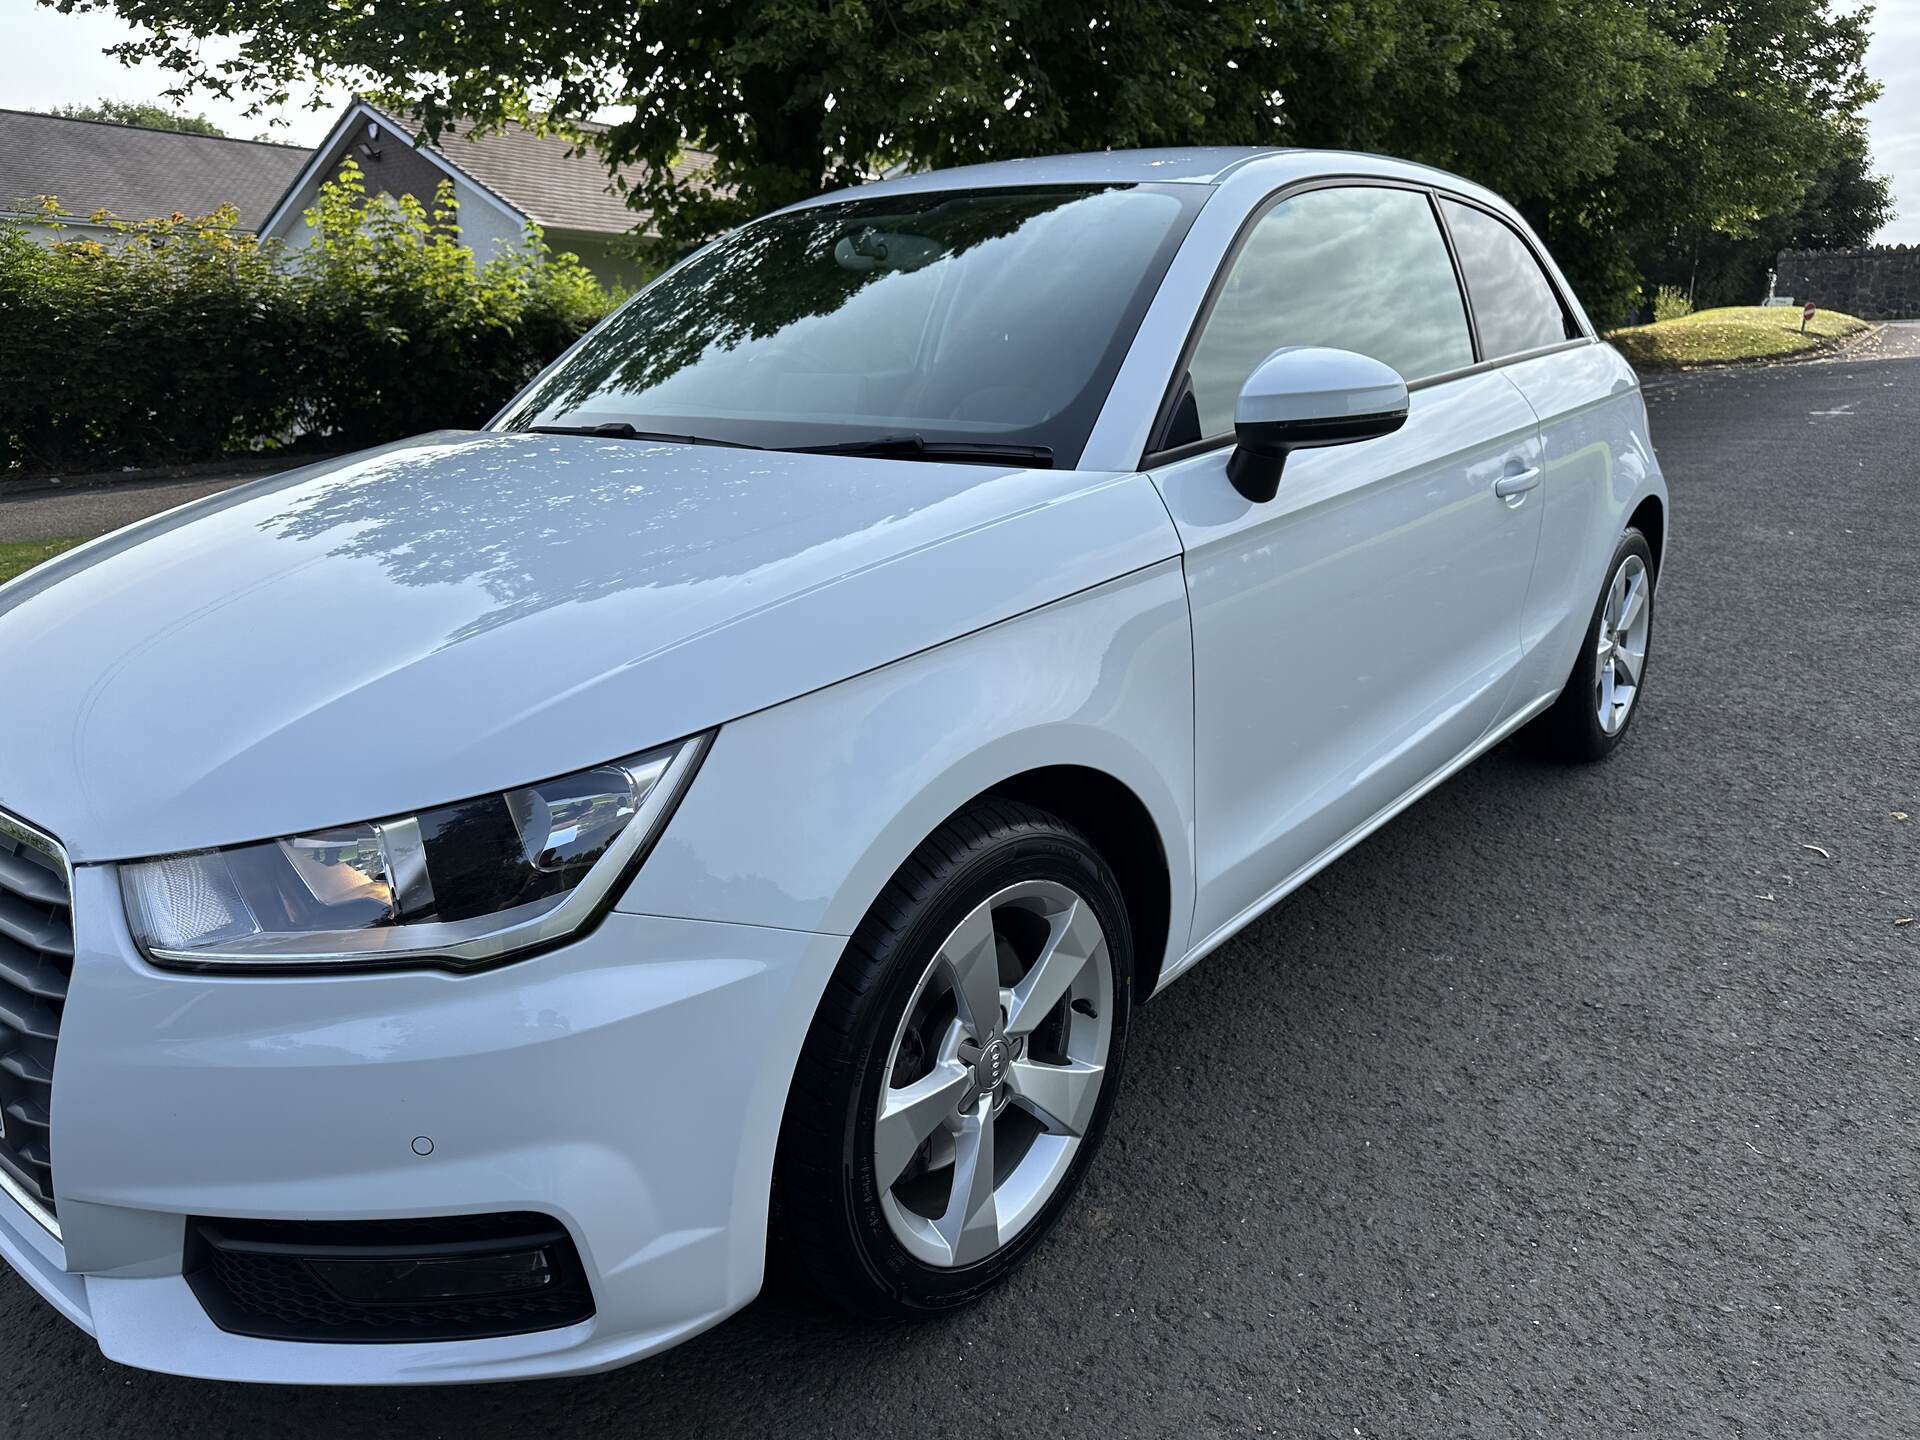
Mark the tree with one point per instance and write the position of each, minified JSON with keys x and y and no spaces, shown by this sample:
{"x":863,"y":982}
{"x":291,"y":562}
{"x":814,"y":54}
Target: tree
{"x":1607,"y":121}
{"x":1611,"y":121}
{"x":1723,"y":155}
{"x":788,"y":97}
{"x":1843,"y":207}
{"x":148,"y":113}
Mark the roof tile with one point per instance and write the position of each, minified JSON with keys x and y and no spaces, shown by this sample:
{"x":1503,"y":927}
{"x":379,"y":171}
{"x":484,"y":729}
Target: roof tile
{"x":138,"y":173}
{"x":538,"y":176}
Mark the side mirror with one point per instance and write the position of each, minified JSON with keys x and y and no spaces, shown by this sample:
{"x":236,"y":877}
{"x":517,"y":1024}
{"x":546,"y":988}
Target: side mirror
{"x":1302,"y":396}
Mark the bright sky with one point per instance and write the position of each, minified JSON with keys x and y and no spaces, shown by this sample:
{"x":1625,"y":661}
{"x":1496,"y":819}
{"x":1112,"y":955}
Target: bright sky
{"x":1893,"y":120}
{"x":52,"y":59}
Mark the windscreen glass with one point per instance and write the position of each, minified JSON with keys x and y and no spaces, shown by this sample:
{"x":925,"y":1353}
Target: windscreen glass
{"x":988,"y":316}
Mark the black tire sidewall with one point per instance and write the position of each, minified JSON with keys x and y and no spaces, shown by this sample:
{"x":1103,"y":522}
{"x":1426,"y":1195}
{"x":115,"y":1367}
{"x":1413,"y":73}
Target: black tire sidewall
{"x":1631,"y":543}
{"x":909,"y":1283}
{"x":1570,"y":728}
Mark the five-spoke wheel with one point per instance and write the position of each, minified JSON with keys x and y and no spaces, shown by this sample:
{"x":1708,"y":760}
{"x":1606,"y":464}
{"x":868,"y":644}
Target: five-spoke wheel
{"x":1620,"y":648}
{"x":1610,"y":675}
{"x":959,"y":1072}
{"x":994,"y":1072}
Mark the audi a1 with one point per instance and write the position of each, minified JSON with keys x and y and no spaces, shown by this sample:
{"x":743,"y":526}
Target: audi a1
{"x":464,"y":906}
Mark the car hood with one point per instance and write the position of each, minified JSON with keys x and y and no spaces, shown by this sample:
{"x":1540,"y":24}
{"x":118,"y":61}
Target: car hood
{"x":465,"y":613}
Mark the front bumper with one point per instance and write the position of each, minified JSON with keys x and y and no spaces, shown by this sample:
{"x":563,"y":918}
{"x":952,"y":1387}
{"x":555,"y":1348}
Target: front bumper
{"x":629,"y":1085}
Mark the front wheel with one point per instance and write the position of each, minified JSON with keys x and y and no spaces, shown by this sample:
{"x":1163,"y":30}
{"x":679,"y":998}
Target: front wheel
{"x":1602,"y":694}
{"x":961,"y":1067}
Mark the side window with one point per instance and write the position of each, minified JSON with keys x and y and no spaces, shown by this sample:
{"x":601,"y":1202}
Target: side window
{"x":1354,"y":267}
{"x":1514,"y":304}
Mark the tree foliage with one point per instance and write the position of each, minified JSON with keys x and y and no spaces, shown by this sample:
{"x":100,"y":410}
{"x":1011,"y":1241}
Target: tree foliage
{"x":1607,"y":121}
{"x":1843,"y":206}
{"x":404,"y":332}
{"x":149,"y":114}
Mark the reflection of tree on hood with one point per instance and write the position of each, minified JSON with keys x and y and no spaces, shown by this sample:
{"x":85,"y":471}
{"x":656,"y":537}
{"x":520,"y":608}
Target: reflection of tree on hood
{"x":772,"y":275}
{"x":540,"y":521}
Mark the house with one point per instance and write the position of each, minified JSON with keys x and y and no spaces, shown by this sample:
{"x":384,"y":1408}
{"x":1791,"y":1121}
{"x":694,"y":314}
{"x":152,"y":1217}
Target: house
{"x":502,"y":181}
{"x":133,"y":172}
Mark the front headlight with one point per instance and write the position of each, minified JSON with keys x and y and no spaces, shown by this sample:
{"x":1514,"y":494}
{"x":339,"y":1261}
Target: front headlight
{"x":460,"y":885}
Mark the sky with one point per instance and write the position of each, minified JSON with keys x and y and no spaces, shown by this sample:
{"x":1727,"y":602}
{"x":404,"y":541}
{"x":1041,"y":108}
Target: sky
{"x":1893,"y":121}
{"x":50,"y":59}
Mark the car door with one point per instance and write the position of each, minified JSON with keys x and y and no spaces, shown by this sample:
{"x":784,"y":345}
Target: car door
{"x":1359,"y":631}
{"x":1588,"y":407}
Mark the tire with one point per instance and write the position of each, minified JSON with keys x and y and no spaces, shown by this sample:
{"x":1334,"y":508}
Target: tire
{"x":890,"y":1018}
{"x":1572,"y":729}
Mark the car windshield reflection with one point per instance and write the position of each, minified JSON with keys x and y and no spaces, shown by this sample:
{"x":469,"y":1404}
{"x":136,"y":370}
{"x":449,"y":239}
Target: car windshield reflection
{"x":966,"y":319}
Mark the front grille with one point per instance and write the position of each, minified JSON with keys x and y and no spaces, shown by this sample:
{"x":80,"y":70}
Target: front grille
{"x":36,"y":962}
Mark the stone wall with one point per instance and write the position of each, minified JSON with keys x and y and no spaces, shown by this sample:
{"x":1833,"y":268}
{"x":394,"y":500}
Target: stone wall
{"x":1881,"y":282}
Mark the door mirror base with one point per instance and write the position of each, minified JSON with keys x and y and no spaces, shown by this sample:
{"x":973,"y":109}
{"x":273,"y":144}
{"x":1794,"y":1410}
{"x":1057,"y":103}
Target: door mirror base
{"x":1255,"y":475}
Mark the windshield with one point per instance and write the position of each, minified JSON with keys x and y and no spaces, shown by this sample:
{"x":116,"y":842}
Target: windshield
{"x":928,"y":323}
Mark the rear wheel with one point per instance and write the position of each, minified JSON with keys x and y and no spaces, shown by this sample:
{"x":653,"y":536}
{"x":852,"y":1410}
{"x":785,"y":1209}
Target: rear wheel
{"x":1602,"y":694}
{"x":961,"y":1067}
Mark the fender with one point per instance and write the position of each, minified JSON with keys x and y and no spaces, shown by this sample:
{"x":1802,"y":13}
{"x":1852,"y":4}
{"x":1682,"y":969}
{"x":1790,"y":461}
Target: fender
{"x":803,"y":812}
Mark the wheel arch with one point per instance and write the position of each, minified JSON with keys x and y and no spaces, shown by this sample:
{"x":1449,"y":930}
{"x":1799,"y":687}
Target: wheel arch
{"x":1121,"y":828}
{"x":1650,"y":519}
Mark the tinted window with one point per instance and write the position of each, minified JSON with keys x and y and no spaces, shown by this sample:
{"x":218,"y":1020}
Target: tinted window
{"x":1514,"y":304}
{"x":1355,"y":268}
{"x":985,"y":316}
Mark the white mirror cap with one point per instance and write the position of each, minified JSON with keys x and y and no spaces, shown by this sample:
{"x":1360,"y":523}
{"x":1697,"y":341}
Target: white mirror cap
{"x":1309,"y":382}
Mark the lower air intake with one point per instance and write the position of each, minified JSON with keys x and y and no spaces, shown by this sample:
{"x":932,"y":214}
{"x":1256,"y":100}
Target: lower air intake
{"x":466,"y":1277}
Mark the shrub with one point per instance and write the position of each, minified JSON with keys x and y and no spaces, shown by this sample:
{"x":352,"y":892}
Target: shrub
{"x":1670,"y":302}
{"x":405,"y":332}
{"x":165,"y":343}
{"x":182,"y":339}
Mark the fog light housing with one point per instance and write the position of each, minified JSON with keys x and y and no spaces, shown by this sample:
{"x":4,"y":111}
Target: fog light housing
{"x":456,"y":1277}
{"x":414,"y":1278}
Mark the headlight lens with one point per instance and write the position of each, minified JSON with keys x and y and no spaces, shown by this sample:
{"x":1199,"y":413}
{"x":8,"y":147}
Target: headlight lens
{"x":461,"y":885}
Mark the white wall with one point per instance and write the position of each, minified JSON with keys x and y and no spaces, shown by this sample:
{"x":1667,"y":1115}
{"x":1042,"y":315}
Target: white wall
{"x":483,"y":226}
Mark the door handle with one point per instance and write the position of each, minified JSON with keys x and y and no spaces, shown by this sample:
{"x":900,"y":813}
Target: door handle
{"x":1511,"y":487}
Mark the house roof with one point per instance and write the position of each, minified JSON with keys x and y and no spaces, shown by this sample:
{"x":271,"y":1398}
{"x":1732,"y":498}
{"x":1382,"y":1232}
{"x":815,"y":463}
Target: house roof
{"x":541,"y":178}
{"x":138,"y":173}
{"x":531,"y":175}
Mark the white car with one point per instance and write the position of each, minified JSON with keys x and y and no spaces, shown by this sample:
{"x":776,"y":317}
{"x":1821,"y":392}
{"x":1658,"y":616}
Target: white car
{"x":464,"y":905}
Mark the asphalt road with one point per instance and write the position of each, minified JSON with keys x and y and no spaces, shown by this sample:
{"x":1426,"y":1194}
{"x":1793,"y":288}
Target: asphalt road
{"x":89,"y":510}
{"x":1576,"y":1102}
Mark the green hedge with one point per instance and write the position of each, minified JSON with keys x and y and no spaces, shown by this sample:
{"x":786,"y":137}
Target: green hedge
{"x":181,"y":339}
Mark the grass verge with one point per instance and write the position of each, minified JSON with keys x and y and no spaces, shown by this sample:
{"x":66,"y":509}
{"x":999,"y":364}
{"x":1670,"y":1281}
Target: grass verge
{"x":1737,"y":332}
{"x":18,"y":555}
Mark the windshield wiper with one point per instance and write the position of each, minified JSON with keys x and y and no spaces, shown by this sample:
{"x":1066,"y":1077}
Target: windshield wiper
{"x":621,"y":430}
{"x":915,"y":446}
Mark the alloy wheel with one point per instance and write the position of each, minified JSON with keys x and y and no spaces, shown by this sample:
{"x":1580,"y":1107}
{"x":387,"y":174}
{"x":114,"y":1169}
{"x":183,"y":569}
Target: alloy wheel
{"x":1620,"y":651}
{"x":995,"y":1073}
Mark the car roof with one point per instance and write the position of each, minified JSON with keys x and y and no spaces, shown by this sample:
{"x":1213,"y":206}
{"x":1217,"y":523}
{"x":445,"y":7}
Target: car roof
{"x":1191,"y":165}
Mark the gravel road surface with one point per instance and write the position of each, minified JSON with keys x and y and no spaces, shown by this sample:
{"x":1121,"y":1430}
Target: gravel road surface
{"x":1576,"y":1102}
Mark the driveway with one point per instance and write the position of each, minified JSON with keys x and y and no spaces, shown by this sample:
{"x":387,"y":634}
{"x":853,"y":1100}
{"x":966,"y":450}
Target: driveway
{"x":1575,"y":1102}
{"x":89,"y":510}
